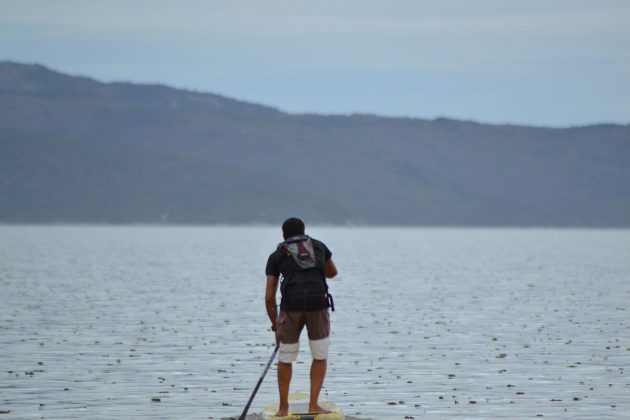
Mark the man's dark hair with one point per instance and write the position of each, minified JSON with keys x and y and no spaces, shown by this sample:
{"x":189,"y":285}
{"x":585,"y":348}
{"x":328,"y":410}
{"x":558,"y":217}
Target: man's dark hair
{"x":292,"y":227}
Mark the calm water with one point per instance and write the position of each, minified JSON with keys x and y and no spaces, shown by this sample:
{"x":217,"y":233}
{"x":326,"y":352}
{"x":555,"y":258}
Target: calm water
{"x":96,"y":322}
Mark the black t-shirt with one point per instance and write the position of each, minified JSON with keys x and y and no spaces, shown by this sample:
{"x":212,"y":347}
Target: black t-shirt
{"x":281,"y":263}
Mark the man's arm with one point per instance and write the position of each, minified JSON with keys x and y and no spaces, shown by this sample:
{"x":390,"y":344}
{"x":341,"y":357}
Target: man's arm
{"x":330,"y":270}
{"x":270,"y":300}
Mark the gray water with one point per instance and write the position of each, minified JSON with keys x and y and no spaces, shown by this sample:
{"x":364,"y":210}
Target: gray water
{"x":169,"y":322}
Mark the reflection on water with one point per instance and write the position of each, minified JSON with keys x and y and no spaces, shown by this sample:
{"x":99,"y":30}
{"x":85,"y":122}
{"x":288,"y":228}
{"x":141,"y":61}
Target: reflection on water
{"x":164,"y":322}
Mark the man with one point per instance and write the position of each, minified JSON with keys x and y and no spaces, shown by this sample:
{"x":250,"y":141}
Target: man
{"x":304,"y":264}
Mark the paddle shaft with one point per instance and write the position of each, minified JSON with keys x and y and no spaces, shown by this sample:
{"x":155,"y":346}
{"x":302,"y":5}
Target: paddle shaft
{"x":273,"y":356}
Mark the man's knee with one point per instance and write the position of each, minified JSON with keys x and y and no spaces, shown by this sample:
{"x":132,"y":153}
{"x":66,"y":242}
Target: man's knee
{"x":288,"y":352}
{"x":319,"y":348}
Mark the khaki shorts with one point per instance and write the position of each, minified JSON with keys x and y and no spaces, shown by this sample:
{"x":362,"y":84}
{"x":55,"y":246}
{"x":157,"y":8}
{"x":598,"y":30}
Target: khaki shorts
{"x":290,"y":325}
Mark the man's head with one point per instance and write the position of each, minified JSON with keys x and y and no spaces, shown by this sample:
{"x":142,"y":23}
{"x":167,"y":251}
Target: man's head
{"x":292,"y":227}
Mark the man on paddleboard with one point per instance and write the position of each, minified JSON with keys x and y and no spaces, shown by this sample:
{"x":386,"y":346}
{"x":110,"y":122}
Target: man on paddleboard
{"x":304,"y":264}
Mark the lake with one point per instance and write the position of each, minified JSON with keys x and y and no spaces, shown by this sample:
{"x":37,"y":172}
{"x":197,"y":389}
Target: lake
{"x":101,"y":322}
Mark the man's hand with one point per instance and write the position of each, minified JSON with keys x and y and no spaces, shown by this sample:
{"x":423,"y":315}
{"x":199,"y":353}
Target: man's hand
{"x":274,"y":328}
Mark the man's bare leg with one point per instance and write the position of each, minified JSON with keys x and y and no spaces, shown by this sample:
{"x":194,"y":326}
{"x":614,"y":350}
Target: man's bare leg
{"x":318,"y":372}
{"x":285,"y":371}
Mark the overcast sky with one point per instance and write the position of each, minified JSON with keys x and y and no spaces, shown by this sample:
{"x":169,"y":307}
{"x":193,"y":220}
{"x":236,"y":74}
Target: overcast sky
{"x":540,"y":62}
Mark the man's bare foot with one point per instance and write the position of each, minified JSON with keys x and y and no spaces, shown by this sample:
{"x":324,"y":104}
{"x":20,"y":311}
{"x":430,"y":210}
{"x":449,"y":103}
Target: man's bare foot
{"x":318,"y":409}
{"x":282,"y":412}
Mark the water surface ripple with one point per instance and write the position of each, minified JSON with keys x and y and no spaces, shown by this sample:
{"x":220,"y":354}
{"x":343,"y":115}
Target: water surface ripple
{"x":169,"y":322}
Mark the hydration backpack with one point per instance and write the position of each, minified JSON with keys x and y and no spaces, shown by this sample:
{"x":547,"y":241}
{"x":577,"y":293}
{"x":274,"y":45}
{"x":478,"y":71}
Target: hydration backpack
{"x":304,"y":286}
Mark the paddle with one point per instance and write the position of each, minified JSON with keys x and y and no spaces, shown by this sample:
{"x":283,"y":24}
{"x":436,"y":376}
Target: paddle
{"x":273,"y":356}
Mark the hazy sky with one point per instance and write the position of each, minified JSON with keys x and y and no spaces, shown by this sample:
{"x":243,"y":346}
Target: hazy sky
{"x":541,"y":62}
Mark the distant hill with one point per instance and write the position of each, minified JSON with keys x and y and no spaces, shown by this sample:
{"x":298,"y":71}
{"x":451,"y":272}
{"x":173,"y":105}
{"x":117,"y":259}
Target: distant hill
{"x":73,"y":149}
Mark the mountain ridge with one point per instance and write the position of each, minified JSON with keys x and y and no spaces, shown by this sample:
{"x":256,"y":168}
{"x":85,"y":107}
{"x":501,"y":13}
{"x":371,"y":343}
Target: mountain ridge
{"x":40,"y":67}
{"x":248,"y":163}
